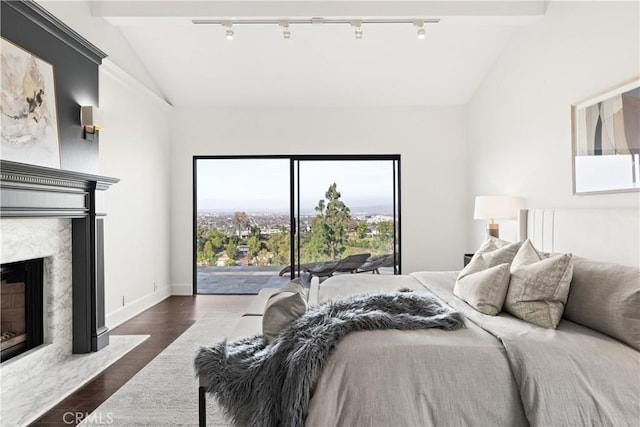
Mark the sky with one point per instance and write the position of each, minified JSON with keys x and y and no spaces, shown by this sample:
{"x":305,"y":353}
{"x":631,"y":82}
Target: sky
{"x":263,"y":184}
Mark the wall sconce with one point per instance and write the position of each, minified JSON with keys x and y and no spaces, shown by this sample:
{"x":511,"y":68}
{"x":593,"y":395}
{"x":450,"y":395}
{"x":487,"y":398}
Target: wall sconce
{"x":91,"y":122}
{"x":497,"y":207}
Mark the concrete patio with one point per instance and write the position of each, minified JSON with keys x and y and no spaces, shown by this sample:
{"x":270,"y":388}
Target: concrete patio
{"x":240,"y":279}
{"x":247,"y":280}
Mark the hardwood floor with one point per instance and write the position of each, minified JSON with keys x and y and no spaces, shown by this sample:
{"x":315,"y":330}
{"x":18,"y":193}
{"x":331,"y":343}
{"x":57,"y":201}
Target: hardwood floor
{"x":165,"y":322}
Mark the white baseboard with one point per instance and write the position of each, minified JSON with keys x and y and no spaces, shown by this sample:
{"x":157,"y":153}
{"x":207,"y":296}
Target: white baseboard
{"x":182,"y":289}
{"x":136,"y":307}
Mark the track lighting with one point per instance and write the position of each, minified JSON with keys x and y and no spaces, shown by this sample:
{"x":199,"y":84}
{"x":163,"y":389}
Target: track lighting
{"x":358,"y":26}
{"x":356,"y":23}
{"x":228,"y":26}
{"x":286,"y":32}
{"x":421,"y":31}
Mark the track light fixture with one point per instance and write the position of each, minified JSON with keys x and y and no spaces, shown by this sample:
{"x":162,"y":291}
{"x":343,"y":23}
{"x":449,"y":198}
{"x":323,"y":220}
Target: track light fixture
{"x":286,"y":31}
{"x":358,"y":29}
{"x":421,"y":30}
{"x":228,"y":30}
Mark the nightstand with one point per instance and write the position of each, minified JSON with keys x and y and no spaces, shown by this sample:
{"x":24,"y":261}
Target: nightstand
{"x":467,"y":259}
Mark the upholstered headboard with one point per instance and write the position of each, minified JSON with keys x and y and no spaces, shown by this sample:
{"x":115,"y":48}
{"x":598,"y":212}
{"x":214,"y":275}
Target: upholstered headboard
{"x":611,"y":235}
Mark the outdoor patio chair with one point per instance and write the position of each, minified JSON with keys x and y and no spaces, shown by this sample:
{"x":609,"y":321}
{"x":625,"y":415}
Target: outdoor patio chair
{"x":323,"y":269}
{"x":373,"y":264}
{"x":348,"y":264}
{"x":351,"y":263}
{"x":303,"y":267}
{"x":390,"y":261}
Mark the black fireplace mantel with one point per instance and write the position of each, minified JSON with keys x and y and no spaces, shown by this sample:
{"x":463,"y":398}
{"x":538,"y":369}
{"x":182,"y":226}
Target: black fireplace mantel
{"x":38,"y":191}
{"x":28,"y":191}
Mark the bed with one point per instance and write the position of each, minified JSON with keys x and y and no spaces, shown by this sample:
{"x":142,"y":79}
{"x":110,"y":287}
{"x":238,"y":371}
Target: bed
{"x":498,"y":370}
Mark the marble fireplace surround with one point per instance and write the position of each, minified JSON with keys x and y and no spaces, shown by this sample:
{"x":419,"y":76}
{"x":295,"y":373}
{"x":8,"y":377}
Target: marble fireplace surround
{"x":59,"y":215}
{"x":50,"y":239}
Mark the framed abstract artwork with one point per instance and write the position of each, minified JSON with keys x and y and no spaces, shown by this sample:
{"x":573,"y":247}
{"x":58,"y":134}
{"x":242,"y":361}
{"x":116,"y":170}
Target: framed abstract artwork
{"x":29,"y":115}
{"x":606,"y":141}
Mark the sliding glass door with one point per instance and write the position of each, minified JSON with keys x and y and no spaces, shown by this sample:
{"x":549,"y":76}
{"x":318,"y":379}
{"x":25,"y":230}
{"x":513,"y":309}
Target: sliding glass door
{"x":347,"y":211}
{"x":242,"y":224}
{"x":335,"y":214}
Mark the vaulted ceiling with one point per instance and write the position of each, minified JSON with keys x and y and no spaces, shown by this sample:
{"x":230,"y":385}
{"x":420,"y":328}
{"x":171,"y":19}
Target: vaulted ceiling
{"x":321,"y":64}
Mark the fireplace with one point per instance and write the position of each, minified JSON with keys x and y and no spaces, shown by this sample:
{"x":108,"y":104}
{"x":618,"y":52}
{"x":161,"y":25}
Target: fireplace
{"x":74,"y":201}
{"x":21,"y":314}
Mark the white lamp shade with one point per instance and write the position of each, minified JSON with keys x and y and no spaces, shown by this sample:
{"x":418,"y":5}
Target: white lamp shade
{"x":91,"y":116}
{"x":497,"y":207}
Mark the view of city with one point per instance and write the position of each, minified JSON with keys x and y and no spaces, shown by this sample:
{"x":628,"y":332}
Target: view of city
{"x":263,"y":238}
{"x":244,"y":224}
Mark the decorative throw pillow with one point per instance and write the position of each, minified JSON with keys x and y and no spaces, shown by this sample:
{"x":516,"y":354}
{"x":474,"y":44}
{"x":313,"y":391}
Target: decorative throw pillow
{"x":484,"y":290}
{"x":294,"y":285}
{"x":606,"y":297}
{"x":484,"y":281}
{"x":491,"y":252}
{"x":539,"y":286}
{"x":283,"y":308}
{"x":491,"y":244}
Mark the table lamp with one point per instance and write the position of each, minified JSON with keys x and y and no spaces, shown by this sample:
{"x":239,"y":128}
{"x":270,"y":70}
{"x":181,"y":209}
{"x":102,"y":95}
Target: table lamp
{"x":497,"y":207}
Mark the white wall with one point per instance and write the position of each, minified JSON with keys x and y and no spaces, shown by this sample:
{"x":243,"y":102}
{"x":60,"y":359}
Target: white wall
{"x":134,"y":146}
{"x":519,"y":121}
{"x":431,"y":141}
{"x":77,"y":15}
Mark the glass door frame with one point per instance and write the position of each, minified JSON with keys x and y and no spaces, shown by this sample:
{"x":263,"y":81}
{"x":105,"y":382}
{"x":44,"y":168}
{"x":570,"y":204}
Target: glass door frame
{"x":294,"y":195}
{"x":295,"y":219}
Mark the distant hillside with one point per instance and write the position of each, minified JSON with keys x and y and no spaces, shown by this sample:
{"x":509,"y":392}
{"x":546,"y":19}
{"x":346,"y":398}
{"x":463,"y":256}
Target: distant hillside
{"x":355,"y":210}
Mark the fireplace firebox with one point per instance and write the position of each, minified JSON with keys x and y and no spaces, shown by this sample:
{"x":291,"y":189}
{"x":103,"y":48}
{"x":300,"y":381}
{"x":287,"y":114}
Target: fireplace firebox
{"x":21,"y":313}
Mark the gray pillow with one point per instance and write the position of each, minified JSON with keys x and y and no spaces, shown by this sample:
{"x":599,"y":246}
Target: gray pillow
{"x":606,"y":297}
{"x":484,"y":281}
{"x":485,"y":289}
{"x":294,"y":285}
{"x":539,"y":286}
{"x":492,"y":252}
{"x":283,"y":308}
{"x":491,"y":244}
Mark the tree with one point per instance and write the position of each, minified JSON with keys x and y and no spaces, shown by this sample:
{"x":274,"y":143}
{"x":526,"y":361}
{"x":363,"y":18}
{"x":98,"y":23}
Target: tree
{"x":254,"y":246}
{"x":241,"y":219}
{"x":385,"y":229}
{"x":264,"y":257}
{"x":207,"y":255}
{"x":218,"y":240}
{"x":279,"y":246}
{"x":361,"y":230}
{"x":201,"y":234}
{"x":328,"y":228}
{"x":384,"y":237}
{"x":232,"y":251}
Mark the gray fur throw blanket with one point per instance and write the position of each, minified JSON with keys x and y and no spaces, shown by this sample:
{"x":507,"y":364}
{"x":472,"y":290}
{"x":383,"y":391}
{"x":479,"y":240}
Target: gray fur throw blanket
{"x":260,"y":384}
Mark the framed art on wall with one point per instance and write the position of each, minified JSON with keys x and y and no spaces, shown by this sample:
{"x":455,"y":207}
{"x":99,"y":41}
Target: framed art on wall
{"x":606,"y":141}
{"x":29,"y":115}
